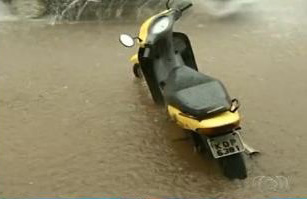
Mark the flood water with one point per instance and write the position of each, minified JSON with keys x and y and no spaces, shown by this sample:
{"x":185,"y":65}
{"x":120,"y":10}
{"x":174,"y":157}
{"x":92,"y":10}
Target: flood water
{"x":75,"y":123}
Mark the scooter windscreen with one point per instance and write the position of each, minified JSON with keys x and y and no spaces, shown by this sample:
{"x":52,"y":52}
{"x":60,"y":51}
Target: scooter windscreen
{"x":160,"y":25}
{"x":164,"y":22}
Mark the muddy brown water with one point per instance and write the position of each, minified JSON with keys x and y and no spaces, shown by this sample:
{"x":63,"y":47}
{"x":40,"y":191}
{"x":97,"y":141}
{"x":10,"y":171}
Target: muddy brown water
{"x":75,"y":123}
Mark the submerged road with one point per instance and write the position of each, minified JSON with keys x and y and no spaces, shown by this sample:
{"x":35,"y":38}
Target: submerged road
{"x":75,"y":123}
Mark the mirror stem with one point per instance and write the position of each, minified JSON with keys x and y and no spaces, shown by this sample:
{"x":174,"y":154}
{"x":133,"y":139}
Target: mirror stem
{"x":167,"y":4}
{"x":140,"y":40}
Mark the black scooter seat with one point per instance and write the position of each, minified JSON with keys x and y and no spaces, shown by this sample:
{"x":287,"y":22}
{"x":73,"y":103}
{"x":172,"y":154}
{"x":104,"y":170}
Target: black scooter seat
{"x":195,"y":94}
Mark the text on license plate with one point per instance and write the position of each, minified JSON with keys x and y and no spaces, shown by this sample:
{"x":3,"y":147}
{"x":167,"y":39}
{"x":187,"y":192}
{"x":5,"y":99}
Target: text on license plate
{"x":226,"y":145}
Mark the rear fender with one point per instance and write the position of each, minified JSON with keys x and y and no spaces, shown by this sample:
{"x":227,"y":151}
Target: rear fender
{"x":218,"y":124}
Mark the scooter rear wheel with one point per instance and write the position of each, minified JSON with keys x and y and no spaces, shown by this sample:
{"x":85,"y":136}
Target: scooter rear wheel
{"x":233,"y":166}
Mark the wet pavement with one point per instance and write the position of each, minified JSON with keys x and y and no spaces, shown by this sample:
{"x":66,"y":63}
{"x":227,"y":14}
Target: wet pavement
{"x":75,"y":123}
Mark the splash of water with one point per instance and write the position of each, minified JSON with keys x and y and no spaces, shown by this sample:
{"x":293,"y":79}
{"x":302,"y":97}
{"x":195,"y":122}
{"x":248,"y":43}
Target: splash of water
{"x":75,"y":10}
{"x":5,"y":14}
{"x":81,"y":9}
{"x":108,"y":9}
{"x":224,"y":8}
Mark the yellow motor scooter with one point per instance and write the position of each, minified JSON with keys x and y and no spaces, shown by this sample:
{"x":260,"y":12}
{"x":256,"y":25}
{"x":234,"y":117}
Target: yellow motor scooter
{"x":197,"y":102}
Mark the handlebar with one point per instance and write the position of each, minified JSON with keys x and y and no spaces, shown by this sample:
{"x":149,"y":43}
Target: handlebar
{"x":186,"y":7}
{"x":179,"y":11}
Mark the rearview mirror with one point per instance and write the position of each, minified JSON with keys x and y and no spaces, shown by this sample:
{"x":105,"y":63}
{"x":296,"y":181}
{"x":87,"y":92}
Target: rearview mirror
{"x":126,"y":40}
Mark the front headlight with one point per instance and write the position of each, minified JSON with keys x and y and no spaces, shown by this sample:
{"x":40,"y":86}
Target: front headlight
{"x":161,"y":25}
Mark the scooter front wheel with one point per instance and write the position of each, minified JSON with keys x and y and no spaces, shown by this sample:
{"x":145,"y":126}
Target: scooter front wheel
{"x":233,"y":166}
{"x":137,"y":71}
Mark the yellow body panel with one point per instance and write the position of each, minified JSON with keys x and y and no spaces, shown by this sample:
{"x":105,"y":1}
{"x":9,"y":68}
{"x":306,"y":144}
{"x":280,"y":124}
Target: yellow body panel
{"x":206,"y":125}
{"x":135,"y":59}
{"x":144,"y":30}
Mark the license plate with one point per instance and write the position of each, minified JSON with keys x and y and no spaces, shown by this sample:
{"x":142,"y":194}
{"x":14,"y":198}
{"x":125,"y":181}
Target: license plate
{"x":226,"y":145}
